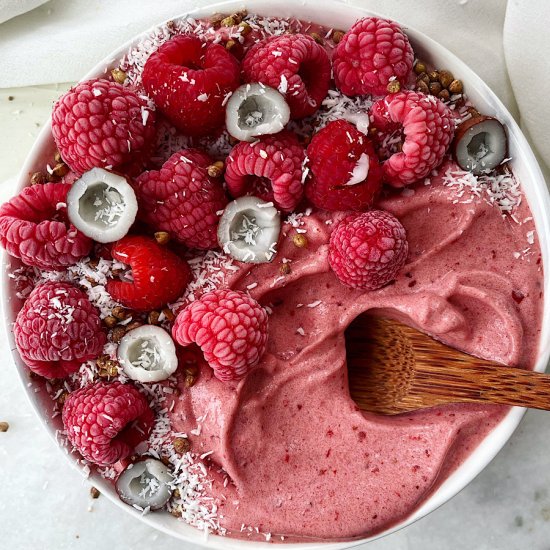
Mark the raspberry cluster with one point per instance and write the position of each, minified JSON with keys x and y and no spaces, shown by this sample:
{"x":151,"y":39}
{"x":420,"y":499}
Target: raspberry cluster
{"x":151,"y":212}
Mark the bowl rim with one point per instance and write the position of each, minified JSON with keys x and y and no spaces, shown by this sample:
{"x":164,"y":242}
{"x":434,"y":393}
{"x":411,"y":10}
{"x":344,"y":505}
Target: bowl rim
{"x":484,"y":453}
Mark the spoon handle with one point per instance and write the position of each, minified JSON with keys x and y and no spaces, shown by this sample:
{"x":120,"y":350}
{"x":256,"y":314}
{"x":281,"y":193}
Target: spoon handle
{"x":483,"y":383}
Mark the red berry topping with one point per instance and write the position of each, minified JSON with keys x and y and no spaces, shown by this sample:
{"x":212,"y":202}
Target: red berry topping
{"x":105,"y":421}
{"x":231,"y":329}
{"x":189,"y":81}
{"x":99,"y":123}
{"x":182,"y":199}
{"x":427,"y":126}
{"x":371,"y":54}
{"x":345,"y":172}
{"x":34,"y":227}
{"x":57,"y":330}
{"x":368,"y":250}
{"x":295,"y":65}
{"x":159,"y":276}
{"x":270,"y":169}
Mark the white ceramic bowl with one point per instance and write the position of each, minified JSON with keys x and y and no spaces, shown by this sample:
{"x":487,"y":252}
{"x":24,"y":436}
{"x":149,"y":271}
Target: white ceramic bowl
{"x":337,"y":15}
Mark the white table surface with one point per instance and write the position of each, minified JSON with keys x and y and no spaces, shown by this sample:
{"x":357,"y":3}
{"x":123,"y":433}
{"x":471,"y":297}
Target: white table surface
{"x":45,"y":504}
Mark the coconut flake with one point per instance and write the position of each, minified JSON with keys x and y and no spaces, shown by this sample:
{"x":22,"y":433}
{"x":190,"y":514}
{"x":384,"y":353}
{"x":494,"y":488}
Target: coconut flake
{"x":360,"y":171}
{"x":500,"y":190}
{"x":337,"y":106}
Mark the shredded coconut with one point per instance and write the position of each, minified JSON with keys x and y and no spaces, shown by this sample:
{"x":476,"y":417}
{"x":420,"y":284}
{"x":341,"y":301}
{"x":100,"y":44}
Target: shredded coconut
{"x":209,"y":272}
{"x":500,"y":190}
{"x":338,"y":106}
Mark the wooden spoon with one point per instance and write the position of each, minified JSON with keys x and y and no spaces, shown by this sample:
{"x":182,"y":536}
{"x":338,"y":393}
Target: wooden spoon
{"x":394,"y":369}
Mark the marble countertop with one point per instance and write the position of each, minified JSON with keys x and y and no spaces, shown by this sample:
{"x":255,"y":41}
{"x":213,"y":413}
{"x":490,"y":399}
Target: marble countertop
{"x":44,"y":503}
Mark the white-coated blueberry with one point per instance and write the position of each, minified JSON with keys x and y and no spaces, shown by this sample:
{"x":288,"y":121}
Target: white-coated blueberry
{"x":146,"y":484}
{"x":147,"y":354}
{"x":249,"y":230}
{"x":255,"y":110}
{"x":102,"y":205}
{"x":480,"y":144}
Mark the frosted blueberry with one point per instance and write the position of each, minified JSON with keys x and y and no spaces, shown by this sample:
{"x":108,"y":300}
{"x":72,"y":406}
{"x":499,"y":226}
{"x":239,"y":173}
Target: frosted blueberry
{"x":249,"y":230}
{"x":255,"y":110}
{"x":147,"y":354}
{"x":145,"y":484}
{"x":102,"y":205}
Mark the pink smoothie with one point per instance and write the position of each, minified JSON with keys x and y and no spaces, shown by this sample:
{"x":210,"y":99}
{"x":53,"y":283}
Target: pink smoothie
{"x":288,"y":451}
{"x":301,"y":460}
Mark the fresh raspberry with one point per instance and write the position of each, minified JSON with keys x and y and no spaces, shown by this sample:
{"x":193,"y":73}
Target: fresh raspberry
{"x":189,"y":81}
{"x":270,"y":169}
{"x":182,"y":199}
{"x":102,"y":124}
{"x":34,"y":227}
{"x":57,"y":330}
{"x":105,"y":421}
{"x":159,"y":276}
{"x":371,"y":54}
{"x":231,"y":329}
{"x":295,"y":65}
{"x":345,"y":172}
{"x":427,"y":126}
{"x":367,"y":250}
